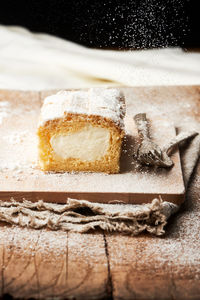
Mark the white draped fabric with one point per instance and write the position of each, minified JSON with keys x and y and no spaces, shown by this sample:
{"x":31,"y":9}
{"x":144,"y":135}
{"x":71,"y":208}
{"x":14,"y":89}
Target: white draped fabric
{"x":31,"y":61}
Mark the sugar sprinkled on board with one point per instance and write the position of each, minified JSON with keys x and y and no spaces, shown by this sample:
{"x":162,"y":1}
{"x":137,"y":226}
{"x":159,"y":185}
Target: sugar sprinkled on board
{"x":52,"y":245}
{"x":18,"y":167}
{"x":4,"y":110}
{"x":16,"y":137}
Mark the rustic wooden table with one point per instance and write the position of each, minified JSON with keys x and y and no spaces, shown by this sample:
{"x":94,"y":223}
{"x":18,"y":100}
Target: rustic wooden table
{"x":45,"y":264}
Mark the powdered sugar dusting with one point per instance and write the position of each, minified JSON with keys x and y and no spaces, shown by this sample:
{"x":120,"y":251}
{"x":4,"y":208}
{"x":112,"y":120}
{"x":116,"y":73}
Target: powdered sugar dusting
{"x":102,"y":102}
{"x":4,"y":110}
{"x":53,"y":245}
{"x":16,"y":137}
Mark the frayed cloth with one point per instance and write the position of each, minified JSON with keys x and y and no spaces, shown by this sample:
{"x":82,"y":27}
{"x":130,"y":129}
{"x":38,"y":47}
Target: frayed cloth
{"x":82,"y":216}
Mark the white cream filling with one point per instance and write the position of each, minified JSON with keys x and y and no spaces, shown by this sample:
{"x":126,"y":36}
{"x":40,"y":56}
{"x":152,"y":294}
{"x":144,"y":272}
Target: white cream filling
{"x":87,"y":144}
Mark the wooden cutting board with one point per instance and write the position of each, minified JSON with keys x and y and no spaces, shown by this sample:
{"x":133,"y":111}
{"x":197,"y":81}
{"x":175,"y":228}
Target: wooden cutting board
{"x":20,"y":177}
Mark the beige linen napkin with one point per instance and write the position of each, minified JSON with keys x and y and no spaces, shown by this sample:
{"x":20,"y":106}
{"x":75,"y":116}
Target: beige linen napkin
{"x":82,"y":216}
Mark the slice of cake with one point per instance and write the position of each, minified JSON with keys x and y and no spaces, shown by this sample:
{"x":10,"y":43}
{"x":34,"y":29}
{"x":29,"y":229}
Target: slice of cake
{"x":82,"y":131}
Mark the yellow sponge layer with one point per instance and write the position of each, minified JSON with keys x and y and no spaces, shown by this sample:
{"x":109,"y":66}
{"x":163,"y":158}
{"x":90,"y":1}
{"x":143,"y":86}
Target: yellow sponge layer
{"x":49,"y":160}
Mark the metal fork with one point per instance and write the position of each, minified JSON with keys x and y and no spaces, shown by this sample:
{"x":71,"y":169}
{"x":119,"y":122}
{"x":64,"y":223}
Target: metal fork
{"x":148,"y":152}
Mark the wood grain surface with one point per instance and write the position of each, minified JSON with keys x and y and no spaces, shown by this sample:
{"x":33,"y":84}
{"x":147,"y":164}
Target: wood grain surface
{"x":21,"y":178}
{"x":57,"y":265}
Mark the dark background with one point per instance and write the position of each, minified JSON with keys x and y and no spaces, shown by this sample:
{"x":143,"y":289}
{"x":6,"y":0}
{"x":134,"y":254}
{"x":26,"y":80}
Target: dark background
{"x":109,"y":23}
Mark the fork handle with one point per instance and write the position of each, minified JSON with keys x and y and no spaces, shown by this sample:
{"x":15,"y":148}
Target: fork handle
{"x":142,"y":126}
